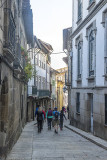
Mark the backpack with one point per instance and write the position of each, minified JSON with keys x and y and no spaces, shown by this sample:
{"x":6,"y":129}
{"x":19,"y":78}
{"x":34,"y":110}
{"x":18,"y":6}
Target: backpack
{"x":56,"y":115}
{"x":40,"y":116}
{"x":49,"y":113}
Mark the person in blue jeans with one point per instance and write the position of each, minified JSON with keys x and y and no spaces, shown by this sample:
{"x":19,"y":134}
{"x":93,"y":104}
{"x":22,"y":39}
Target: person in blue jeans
{"x":62,"y":116}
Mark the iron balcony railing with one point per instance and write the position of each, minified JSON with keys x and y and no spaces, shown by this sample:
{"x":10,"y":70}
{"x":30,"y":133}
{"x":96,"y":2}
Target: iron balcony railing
{"x":9,"y":30}
{"x":44,"y":93}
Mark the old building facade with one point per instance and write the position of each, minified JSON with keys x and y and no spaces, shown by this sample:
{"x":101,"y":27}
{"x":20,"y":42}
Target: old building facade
{"x":62,"y":97}
{"x":89,"y":66}
{"x":53,"y":88}
{"x":14,"y":27}
{"x":39,"y":85}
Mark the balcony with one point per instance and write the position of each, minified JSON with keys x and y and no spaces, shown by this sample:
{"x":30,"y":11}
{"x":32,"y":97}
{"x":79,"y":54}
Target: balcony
{"x":43,"y":93}
{"x":9,"y":35}
{"x":32,"y":91}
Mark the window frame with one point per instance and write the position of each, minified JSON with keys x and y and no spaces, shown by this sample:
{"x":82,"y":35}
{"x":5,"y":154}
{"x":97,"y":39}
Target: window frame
{"x":79,"y":9}
{"x":79,"y":67}
{"x":91,"y":54}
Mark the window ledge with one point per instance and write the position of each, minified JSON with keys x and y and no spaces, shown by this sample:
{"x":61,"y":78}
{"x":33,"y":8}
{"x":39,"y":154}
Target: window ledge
{"x":91,"y":78}
{"x":79,"y":21}
{"x":78,"y":113}
{"x":91,"y":5}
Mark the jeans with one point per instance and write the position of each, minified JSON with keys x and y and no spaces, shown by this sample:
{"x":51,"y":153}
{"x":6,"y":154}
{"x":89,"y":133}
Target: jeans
{"x":39,"y":125}
{"x":49,"y":123}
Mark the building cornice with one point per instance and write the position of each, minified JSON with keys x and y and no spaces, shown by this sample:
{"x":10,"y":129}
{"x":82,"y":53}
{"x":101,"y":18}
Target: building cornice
{"x":95,"y":10}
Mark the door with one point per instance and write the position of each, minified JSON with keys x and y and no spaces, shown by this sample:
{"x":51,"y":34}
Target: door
{"x":91,"y":102}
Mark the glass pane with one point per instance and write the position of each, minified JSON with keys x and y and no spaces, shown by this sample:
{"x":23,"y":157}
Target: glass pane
{"x":79,"y":60}
{"x":91,"y":53}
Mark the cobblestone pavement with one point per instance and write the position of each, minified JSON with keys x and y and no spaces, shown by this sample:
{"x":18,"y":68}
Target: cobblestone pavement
{"x":66,"y":145}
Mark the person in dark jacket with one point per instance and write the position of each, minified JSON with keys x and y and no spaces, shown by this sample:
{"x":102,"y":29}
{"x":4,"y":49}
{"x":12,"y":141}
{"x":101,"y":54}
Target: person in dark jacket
{"x":62,"y":116}
{"x":40,"y":118}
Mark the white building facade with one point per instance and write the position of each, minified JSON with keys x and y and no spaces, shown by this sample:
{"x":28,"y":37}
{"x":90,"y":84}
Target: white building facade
{"x":89,"y":66}
{"x":39,"y":85}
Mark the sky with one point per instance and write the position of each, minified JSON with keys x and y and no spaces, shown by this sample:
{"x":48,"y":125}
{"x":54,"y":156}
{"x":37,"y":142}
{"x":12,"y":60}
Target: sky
{"x":50,"y":17}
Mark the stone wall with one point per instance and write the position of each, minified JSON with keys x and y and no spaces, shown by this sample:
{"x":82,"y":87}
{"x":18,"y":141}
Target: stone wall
{"x":83,"y":120}
{"x":13,"y":98}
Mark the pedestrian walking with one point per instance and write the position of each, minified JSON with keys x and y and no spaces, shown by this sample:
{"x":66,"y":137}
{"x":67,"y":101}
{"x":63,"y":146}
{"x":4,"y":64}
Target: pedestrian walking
{"x":37,"y":107}
{"x":68,"y":111}
{"x":49,"y":118}
{"x":44,"y":114}
{"x":56,"y":119}
{"x":62,"y":116}
{"x":40,"y":118}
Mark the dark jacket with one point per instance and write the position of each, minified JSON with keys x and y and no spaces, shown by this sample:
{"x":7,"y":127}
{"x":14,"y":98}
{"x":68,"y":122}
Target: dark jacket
{"x":39,"y":115}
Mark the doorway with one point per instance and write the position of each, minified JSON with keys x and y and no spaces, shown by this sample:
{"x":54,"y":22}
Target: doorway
{"x":90,"y":95}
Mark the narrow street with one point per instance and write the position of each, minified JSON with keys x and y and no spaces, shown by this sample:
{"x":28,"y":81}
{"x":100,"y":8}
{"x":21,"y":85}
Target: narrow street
{"x":66,"y":145}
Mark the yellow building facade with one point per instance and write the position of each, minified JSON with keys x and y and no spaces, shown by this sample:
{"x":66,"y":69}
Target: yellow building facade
{"x":60,"y":78}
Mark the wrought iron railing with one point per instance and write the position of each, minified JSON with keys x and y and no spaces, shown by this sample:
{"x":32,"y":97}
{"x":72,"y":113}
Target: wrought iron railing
{"x":44,"y":93}
{"x":9,"y":30}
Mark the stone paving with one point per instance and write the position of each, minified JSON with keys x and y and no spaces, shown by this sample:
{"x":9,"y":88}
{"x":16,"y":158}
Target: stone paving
{"x":66,"y":145}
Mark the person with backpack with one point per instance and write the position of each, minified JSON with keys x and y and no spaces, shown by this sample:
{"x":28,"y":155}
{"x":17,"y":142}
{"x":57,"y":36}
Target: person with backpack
{"x":43,"y":117}
{"x":49,"y":118}
{"x":62,"y":116}
{"x":56,"y":119}
{"x":40,"y":116}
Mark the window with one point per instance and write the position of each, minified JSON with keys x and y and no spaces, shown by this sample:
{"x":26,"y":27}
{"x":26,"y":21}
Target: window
{"x":44,"y":83}
{"x":36,"y":80}
{"x":90,"y":1}
{"x":106,"y":109}
{"x":78,"y":103}
{"x":91,"y":53}
{"x":39,"y":82}
{"x":36,"y":60}
{"x":79,"y":59}
{"x":79,"y":9}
